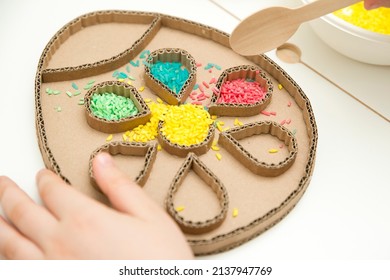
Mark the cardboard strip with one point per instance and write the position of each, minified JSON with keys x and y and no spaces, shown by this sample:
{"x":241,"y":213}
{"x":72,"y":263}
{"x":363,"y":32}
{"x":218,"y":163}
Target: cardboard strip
{"x":241,"y":110}
{"x":229,"y":140}
{"x":147,"y":150}
{"x":183,"y":151}
{"x":115,"y":126}
{"x":162,"y":90}
{"x":192,"y":162}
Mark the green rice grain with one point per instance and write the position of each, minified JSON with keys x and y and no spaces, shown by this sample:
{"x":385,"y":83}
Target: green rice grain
{"x":110,"y":106}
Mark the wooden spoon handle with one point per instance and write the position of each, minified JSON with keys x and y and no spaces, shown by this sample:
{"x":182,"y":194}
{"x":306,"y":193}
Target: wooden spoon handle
{"x":320,"y":8}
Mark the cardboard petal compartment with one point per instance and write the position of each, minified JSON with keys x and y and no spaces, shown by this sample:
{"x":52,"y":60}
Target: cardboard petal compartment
{"x":229,"y":140}
{"x":183,"y":151}
{"x":121,"y":125}
{"x":192,"y":162}
{"x":162,"y":90}
{"x":245,"y":72}
{"x":146,"y":150}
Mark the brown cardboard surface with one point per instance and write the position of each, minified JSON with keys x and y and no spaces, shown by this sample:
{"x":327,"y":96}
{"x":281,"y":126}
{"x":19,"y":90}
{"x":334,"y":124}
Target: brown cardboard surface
{"x":67,"y":141}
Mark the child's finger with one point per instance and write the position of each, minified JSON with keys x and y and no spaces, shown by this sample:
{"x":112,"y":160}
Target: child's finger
{"x":124,"y":194}
{"x":32,"y":220}
{"x":373,"y":4}
{"x":15,"y":246}
{"x":61,"y":199}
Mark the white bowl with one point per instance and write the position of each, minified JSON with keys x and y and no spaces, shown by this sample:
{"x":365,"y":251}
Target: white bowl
{"x":352,"y":41}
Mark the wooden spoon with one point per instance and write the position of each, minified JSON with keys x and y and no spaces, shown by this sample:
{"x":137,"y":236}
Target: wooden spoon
{"x":269,"y":28}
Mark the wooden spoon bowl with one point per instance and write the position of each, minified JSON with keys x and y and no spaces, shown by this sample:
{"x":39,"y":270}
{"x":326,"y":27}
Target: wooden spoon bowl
{"x":269,"y":28}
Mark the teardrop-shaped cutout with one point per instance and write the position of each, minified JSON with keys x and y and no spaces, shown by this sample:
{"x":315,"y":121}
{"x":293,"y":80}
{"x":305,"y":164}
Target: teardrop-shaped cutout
{"x":171,"y":74}
{"x":140,"y":115}
{"x":183,"y":150}
{"x":146,"y":150}
{"x":229,"y":140}
{"x":186,"y":129}
{"x":193,"y":163}
{"x":243,"y":90}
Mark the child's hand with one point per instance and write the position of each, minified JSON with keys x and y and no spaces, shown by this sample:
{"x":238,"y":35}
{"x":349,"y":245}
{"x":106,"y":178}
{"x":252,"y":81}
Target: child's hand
{"x":73,"y":226}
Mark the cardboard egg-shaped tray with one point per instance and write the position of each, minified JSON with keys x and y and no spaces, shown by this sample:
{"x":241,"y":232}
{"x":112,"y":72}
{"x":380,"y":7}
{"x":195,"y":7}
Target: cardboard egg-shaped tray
{"x":250,"y":171}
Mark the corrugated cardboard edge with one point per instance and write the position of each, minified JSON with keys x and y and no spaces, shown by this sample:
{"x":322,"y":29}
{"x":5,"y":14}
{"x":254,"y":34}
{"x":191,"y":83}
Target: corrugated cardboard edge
{"x":241,"y":110}
{"x":147,"y":150}
{"x":200,"y":247}
{"x":162,"y":90}
{"x":183,"y":151}
{"x":192,"y":162}
{"x":102,"y":66}
{"x":229,"y":140}
{"x":116,"y":126}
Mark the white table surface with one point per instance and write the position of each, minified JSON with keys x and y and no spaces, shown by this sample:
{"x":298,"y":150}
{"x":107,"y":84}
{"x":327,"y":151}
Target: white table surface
{"x":344,"y":214}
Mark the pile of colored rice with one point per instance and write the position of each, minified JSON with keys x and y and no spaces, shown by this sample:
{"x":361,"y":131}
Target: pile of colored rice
{"x":172,"y":74}
{"x":183,"y":125}
{"x":186,"y":124}
{"x":241,"y":91}
{"x":377,"y":20}
{"x":110,"y":106}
